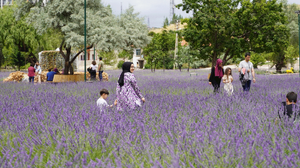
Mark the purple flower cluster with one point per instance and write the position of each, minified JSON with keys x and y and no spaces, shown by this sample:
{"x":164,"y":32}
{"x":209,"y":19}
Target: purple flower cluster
{"x":182,"y":124}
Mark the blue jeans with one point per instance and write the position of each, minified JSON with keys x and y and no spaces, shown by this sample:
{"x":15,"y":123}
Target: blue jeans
{"x":100,"y":75}
{"x":31,"y":79}
{"x":247,"y":86}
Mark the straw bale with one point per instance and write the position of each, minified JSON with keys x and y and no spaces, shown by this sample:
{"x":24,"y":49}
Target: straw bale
{"x":14,"y":77}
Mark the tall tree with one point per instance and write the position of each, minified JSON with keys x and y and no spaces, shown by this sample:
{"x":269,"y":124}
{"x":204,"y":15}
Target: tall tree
{"x":232,"y":27}
{"x":67,"y":17}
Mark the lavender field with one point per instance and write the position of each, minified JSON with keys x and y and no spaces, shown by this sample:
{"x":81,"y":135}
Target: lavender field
{"x":182,"y":124}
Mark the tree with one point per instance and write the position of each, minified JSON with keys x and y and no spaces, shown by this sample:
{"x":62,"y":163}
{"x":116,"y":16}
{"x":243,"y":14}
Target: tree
{"x":291,"y":54}
{"x":125,"y":55}
{"x":258,"y":59}
{"x":103,"y":29}
{"x":109,"y":58}
{"x":166,"y":22}
{"x":232,"y":27}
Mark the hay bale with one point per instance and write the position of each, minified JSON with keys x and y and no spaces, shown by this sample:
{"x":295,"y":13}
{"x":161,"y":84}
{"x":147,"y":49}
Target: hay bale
{"x":14,"y":77}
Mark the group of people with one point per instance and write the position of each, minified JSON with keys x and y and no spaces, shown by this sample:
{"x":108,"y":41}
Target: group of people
{"x":129,"y":96}
{"x":34,"y":70}
{"x":93,"y":69}
{"x":246,"y":75}
{"x":50,"y":74}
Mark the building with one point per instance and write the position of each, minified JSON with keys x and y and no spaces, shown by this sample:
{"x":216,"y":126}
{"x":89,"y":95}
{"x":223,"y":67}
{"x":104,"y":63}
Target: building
{"x":138,"y":58}
{"x":90,"y":57}
{"x":6,"y":2}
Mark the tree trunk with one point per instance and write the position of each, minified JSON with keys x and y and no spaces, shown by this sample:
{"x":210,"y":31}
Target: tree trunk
{"x":214,"y":59}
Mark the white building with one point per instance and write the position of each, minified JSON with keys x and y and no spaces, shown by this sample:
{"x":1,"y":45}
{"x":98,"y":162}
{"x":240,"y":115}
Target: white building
{"x":138,"y":58}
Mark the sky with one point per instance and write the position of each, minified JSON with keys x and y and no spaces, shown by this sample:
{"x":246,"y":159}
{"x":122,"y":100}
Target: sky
{"x":155,"y":10}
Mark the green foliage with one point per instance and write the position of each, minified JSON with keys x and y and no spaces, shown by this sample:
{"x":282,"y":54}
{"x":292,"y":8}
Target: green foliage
{"x":120,"y":63}
{"x":105,"y":30}
{"x":159,"y":53}
{"x":292,"y":54}
{"x":125,"y":54}
{"x":258,"y":59}
{"x":25,"y":66}
{"x":233,"y":28}
{"x":109,"y":58}
{"x":18,"y":59}
{"x":166,"y":22}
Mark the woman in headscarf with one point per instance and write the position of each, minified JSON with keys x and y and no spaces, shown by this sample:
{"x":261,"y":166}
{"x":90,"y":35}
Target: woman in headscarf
{"x":216,"y":75}
{"x":128,"y":93}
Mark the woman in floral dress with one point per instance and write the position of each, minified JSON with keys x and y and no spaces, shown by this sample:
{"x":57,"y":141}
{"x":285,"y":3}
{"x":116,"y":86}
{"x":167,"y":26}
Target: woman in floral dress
{"x":128,"y":93}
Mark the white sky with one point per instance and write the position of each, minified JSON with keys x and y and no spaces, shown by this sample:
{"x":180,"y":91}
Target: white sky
{"x":155,"y":10}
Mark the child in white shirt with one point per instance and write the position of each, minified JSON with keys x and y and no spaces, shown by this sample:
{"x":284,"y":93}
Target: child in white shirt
{"x":227,"y":80}
{"x":101,"y":102}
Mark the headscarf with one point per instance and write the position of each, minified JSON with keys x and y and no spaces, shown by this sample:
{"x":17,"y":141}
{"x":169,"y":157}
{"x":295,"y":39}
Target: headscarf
{"x":218,"y":69}
{"x":55,"y":70}
{"x":126,"y":68}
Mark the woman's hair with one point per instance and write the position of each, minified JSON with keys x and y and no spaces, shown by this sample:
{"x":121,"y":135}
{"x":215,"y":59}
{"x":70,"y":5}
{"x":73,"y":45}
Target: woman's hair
{"x":104,"y":91}
{"x":94,"y":62}
{"x":227,"y":72}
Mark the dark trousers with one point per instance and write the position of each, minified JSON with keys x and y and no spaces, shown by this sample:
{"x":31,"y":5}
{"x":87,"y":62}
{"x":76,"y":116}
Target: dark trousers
{"x":216,"y":84}
{"x":100,"y":75}
{"x":247,"y":86}
{"x":31,"y":79}
{"x":93,"y":74}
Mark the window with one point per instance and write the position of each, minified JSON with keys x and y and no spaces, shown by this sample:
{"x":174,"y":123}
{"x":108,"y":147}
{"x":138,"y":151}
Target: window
{"x":138,"y":51}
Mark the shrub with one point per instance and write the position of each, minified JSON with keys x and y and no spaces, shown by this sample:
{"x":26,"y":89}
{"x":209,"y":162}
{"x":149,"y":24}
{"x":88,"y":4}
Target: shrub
{"x":120,"y":64}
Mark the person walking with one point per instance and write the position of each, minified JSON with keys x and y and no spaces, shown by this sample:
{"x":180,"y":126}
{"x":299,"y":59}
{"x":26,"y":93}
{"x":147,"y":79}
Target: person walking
{"x":93,"y":69}
{"x":216,"y":75}
{"x":31,"y":73}
{"x":38,"y":71}
{"x":227,"y":80}
{"x":128,"y":93}
{"x":246,"y":73}
{"x":100,"y":68}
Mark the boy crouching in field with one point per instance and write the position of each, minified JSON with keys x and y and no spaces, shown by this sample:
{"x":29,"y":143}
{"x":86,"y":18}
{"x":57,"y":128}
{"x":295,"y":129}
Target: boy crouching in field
{"x":101,"y":102}
{"x":290,"y":109}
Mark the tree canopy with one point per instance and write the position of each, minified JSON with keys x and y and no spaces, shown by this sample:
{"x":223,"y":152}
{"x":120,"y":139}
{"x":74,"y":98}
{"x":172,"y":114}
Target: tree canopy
{"x":104,"y":29}
{"x":234,"y":27}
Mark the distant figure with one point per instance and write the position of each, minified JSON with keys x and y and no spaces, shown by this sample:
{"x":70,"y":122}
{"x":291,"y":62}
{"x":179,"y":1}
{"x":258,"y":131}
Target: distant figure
{"x":289,"y":107}
{"x":56,"y":71}
{"x":216,"y":75}
{"x":128,"y":93}
{"x":93,"y":69}
{"x":101,"y":102}
{"x":38,"y":71}
{"x":137,"y":65}
{"x":246,"y":73}
{"x":227,"y":80}
{"x":31,"y":73}
{"x":100,"y":68}
{"x":50,"y":75}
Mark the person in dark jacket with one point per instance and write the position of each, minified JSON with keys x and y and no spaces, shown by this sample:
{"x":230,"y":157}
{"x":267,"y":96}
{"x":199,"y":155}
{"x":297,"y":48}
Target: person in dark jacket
{"x":216,"y":75}
{"x":289,"y":106}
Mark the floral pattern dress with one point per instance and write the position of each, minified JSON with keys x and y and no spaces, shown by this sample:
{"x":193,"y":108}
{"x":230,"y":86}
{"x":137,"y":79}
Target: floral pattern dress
{"x":129,"y":95}
{"x":228,"y":85}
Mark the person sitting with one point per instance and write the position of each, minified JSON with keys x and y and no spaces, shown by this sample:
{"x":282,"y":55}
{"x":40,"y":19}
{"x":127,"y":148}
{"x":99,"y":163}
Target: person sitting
{"x":289,"y":107}
{"x":56,"y":71}
{"x":50,"y":75}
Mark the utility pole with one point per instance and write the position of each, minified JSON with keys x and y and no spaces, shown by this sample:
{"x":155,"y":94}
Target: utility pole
{"x":176,"y":45}
{"x":298,"y":12}
{"x":85,"y":40}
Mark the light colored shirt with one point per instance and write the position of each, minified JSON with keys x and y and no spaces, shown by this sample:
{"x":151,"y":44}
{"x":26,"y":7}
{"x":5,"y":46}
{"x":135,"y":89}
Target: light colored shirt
{"x":102,"y":104}
{"x":94,"y":67}
{"x":248,"y":66}
{"x":101,"y":63}
{"x":38,"y":69}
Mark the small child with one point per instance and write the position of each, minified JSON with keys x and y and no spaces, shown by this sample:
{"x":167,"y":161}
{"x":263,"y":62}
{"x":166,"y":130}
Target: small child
{"x":227,"y":80}
{"x":101,"y":102}
{"x":289,"y":106}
